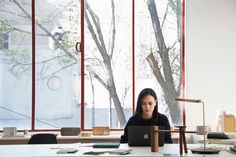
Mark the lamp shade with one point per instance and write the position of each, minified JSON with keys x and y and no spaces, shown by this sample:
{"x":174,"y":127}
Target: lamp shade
{"x":189,"y":100}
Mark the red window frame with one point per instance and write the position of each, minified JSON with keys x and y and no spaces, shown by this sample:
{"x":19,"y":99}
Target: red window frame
{"x":82,"y":62}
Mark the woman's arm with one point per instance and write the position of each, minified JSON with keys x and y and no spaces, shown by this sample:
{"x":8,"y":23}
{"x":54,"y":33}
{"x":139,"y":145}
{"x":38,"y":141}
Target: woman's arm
{"x":124,"y":137}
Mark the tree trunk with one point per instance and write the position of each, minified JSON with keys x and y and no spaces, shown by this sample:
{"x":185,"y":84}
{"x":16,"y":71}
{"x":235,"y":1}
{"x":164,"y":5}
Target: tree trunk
{"x":166,"y":79}
{"x":99,"y":41}
{"x":115,"y":98}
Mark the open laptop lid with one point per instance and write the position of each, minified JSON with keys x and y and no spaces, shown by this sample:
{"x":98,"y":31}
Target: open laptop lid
{"x":140,"y":136}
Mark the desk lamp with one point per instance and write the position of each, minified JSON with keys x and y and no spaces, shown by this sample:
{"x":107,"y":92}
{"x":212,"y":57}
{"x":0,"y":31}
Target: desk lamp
{"x":200,"y":150}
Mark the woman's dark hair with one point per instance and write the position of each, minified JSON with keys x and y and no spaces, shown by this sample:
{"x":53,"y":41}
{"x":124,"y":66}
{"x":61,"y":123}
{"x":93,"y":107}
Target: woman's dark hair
{"x":142,"y":94}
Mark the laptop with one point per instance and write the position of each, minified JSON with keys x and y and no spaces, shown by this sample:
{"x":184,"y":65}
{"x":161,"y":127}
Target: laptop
{"x":140,"y":136}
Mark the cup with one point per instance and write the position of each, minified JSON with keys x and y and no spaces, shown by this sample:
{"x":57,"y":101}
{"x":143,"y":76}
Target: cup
{"x":25,"y":132}
{"x":154,"y":139}
{"x":201,"y":130}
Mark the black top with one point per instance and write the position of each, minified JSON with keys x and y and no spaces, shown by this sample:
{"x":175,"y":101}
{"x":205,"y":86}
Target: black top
{"x":135,"y":120}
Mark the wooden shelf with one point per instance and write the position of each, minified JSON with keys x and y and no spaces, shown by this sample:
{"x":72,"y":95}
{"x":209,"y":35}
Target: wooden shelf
{"x":62,"y":139}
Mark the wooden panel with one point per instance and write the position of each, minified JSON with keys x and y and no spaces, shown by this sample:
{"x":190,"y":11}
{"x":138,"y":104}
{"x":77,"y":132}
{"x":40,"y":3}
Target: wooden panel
{"x":235,"y":124}
{"x":62,"y":139}
{"x":101,"y":131}
{"x":229,"y":123}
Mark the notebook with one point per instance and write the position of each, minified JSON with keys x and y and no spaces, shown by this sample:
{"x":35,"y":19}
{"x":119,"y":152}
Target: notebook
{"x":67,"y":151}
{"x":140,"y":136}
{"x":120,"y":151}
{"x":106,"y":145}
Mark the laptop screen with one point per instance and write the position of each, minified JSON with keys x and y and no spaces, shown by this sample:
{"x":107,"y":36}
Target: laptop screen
{"x":140,"y":136}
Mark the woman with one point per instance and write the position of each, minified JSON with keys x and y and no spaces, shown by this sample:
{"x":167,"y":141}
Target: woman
{"x":146,"y":114}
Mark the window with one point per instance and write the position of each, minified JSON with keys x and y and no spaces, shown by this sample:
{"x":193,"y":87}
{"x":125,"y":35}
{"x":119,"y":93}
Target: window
{"x":15,"y":65}
{"x":158,"y":53}
{"x":128,"y":45}
{"x":56,"y":72}
{"x":57,"y":67}
{"x":108,"y":63}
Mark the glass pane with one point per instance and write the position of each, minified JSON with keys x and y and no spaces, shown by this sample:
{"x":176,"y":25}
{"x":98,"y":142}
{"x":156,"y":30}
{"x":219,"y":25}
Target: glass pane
{"x":158,"y":54}
{"x":108,"y":60}
{"x":15,"y":64}
{"x":57,"y":64}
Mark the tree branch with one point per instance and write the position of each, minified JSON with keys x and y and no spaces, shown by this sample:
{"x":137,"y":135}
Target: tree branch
{"x":65,"y":67}
{"x":163,"y":51}
{"x":20,"y":30}
{"x":96,"y":22}
{"x":96,"y":76}
{"x":46,"y":31}
{"x":90,"y":27}
{"x":113,"y":24}
{"x":66,"y":6}
{"x":156,"y":70}
{"x":165,"y":15}
{"x":173,"y":6}
{"x":14,"y":13}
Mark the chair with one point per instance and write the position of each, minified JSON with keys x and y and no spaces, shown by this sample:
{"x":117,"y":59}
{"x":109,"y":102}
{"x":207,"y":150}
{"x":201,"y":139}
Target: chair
{"x":43,"y":139}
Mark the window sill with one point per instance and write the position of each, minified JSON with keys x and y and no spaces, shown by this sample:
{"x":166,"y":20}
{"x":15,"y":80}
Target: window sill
{"x":21,"y":139}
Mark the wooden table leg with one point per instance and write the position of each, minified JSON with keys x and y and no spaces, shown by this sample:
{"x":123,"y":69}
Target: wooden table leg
{"x":184,"y":141}
{"x":180,"y":141}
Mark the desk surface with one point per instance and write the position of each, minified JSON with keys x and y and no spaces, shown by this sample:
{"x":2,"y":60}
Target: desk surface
{"x":51,"y":150}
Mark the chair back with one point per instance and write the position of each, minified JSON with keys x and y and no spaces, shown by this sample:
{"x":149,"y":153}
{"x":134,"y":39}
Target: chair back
{"x":43,"y":139}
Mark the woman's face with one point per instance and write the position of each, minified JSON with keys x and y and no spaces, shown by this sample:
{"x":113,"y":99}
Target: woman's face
{"x":148,"y":105}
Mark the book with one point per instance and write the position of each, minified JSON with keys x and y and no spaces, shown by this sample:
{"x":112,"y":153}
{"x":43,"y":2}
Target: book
{"x":219,"y":141}
{"x":116,"y":152}
{"x":67,"y":151}
{"x":94,"y":152}
{"x":233,"y":148}
{"x":106,"y":145}
{"x":120,"y":151}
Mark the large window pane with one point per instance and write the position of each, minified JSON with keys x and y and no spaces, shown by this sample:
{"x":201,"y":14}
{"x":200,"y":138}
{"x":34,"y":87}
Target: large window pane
{"x":158,"y":54}
{"x":108,"y":61}
{"x":57,"y":64}
{"x":108,"y":71}
{"x":15,"y":64}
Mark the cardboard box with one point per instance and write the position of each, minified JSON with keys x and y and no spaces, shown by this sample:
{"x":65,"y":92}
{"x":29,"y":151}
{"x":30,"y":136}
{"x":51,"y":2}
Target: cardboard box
{"x":70,"y":131}
{"x":229,"y":123}
{"x":101,"y":131}
{"x":235,"y":123}
{"x":85,"y":134}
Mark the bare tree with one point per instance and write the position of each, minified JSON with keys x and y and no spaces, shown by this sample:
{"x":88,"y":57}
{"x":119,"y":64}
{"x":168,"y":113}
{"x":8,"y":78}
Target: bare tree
{"x":106,"y":53}
{"x":164,"y":73}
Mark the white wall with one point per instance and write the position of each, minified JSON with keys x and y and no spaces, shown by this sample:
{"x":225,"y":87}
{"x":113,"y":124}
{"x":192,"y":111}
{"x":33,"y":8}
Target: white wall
{"x":210,"y":58}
